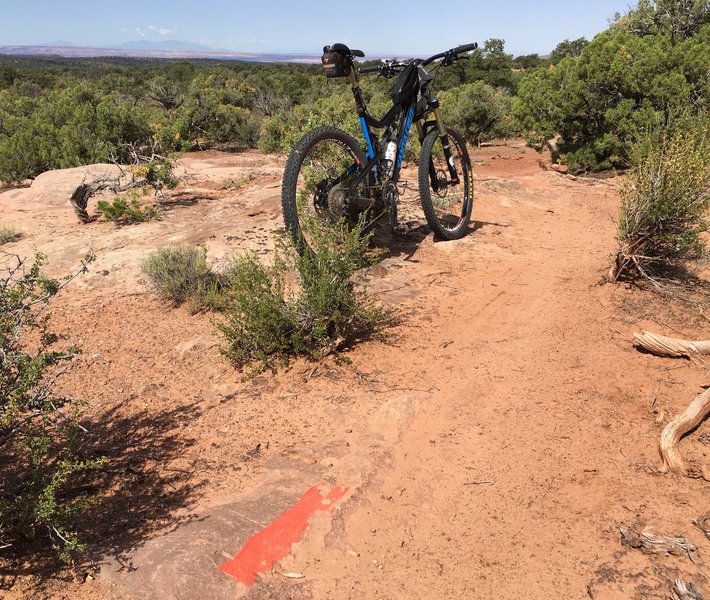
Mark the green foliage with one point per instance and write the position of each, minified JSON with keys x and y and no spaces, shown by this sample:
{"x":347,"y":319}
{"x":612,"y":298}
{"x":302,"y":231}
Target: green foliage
{"x":622,"y":81}
{"x":479,"y":110}
{"x":567,"y":48}
{"x":65,"y":128}
{"x":127,"y":209}
{"x":666,"y":200}
{"x":489,"y":64}
{"x":528,"y":61}
{"x":157,"y":173}
{"x":285,"y":129}
{"x":40,"y":436}
{"x":7,"y":235}
{"x":681,"y":19}
{"x":182,"y":275}
{"x":267,"y":319}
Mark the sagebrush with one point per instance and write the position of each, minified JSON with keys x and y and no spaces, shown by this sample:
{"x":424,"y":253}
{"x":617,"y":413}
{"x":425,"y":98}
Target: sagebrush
{"x":301,"y":304}
{"x":7,"y":235}
{"x":665,"y":201}
{"x":183,"y":275}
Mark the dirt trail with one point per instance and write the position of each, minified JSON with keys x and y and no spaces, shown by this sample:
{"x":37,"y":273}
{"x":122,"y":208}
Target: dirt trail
{"x":491,"y":447}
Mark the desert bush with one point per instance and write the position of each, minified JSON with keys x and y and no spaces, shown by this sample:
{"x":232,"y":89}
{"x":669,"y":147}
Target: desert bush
{"x":567,"y":48}
{"x":183,"y":275}
{"x":479,"y":111}
{"x":7,"y":235}
{"x":126,"y":209}
{"x":599,"y":96}
{"x":271,"y":316}
{"x":40,"y":437}
{"x":665,"y":201}
{"x":286,"y":128}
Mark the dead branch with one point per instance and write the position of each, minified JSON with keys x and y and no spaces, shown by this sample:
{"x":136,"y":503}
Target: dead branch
{"x":701,"y":523}
{"x":80,"y":198}
{"x":124,"y":181}
{"x":651,"y":543}
{"x":686,"y":591}
{"x":661,"y":345}
{"x":676,"y":429}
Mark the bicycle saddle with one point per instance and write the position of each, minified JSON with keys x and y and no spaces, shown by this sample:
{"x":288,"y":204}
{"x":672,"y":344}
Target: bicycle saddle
{"x":343,"y":49}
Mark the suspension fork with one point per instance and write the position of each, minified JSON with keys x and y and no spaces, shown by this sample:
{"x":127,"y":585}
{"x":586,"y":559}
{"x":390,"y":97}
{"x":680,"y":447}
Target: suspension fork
{"x":432,"y":171}
{"x":434,"y":104}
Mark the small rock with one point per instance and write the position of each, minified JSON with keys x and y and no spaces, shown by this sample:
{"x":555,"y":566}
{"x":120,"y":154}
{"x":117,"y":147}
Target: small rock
{"x":559,"y":168}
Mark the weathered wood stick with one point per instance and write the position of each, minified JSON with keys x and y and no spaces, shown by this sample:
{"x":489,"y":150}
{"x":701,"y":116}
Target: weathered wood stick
{"x":676,"y":429}
{"x":665,"y":346}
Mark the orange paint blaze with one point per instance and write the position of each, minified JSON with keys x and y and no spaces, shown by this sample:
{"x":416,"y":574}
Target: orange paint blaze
{"x":274,"y":542}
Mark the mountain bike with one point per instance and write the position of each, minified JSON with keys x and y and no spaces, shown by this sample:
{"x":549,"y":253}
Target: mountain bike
{"x":330,"y":176}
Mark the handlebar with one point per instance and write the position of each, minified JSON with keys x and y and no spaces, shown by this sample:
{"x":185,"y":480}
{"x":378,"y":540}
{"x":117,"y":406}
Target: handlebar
{"x":372,"y":69}
{"x":388,"y":68}
{"x":465,"y":48}
{"x":450,"y":54}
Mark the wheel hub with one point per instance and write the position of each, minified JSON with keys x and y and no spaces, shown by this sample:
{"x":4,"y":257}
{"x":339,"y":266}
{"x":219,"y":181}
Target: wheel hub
{"x":442,"y":184}
{"x":336,"y":201}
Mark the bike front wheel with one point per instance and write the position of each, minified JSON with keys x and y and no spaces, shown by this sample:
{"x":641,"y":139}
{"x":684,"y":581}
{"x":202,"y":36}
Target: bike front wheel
{"x":319,"y":172}
{"x":446,"y":189}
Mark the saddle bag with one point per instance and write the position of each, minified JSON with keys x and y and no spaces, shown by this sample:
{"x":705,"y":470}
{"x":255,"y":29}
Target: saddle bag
{"x":335,"y":64}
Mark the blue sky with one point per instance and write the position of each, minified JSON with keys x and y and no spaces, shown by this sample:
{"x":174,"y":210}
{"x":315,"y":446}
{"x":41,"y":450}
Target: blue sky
{"x":397,"y":27}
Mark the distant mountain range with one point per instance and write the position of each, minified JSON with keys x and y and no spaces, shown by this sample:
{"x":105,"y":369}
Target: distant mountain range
{"x":165,"y":46}
{"x":147,"y":49}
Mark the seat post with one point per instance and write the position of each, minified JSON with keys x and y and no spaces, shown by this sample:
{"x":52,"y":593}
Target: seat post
{"x":357,"y":92}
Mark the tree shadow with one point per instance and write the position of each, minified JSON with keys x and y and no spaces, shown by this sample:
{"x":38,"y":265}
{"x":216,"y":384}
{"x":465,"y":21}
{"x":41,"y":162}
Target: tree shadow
{"x":138,"y":489}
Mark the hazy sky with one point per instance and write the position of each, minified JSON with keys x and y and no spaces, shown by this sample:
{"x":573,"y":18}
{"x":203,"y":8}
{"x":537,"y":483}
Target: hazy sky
{"x":397,"y":27}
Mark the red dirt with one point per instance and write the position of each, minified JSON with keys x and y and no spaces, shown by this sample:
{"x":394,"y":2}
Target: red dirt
{"x":492,"y":445}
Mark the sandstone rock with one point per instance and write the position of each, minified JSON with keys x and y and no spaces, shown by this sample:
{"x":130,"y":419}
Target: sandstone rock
{"x":559,"y":168}
{"x":54,"y":188}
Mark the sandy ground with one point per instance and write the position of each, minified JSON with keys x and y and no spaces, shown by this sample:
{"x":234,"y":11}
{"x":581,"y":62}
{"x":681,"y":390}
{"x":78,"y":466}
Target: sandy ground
{"x":491,"y":446}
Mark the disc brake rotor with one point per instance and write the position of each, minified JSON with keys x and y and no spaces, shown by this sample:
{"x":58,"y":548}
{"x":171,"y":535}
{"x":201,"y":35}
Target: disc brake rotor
{"x":442,"y":184}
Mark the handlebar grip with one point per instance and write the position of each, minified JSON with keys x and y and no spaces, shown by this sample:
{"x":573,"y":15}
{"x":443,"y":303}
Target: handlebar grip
{"x":465,"y":48}
{"x":372,"y":69}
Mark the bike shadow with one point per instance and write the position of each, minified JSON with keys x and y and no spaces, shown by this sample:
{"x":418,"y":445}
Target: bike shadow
{"x":405,"y":244}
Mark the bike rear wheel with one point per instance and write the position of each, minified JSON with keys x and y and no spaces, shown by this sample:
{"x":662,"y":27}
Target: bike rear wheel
{"x":447,"y":202}
{"x":320,"y":170}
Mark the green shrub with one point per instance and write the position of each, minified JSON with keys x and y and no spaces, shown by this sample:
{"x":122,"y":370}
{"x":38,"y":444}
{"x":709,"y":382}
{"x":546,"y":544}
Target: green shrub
{"x":182,"y":275}
{"x":286,"y":128}
{"x":665,"y":201}
{"x":7,"y":235}
{"x":479,"y":111}
{"x":40,"y":437}
{"x":125,"y":210}
{"x":600,"y":96}
{"x":268,"y":319}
